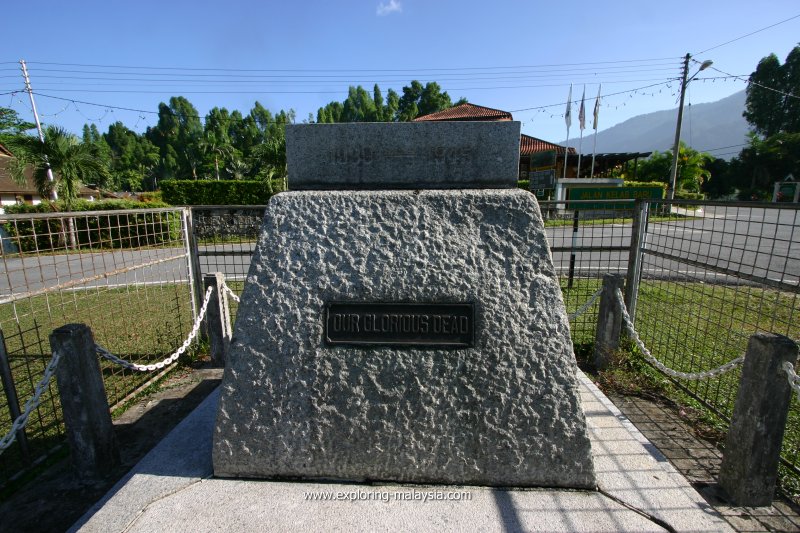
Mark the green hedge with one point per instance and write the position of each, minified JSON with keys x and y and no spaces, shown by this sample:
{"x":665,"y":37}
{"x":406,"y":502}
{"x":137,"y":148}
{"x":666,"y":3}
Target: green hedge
{"x":212,"y":192}
{"x":645,"y":184}
{"x":524,"y":184}
{"x":130,"y":230}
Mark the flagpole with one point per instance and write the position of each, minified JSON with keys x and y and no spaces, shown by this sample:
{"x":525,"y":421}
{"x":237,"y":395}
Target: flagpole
{"x":594,"y":142}
{"x":582,"y":124}
{"x":568,"y":119}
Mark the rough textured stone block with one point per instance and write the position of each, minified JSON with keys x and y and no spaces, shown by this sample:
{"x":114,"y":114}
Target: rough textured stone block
{"x":502,"y":412}
{"x":414,"y":155}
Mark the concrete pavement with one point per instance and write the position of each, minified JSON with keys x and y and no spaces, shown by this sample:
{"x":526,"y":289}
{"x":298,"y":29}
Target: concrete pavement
{"x":172,"y":489}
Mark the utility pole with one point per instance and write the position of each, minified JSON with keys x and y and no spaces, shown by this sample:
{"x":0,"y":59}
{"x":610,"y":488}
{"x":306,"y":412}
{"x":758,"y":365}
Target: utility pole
{"x":54,"y":194}
{"x":673,"y":172}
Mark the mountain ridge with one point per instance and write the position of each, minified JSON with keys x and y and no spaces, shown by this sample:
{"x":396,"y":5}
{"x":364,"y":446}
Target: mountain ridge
{"x":711,"y":127}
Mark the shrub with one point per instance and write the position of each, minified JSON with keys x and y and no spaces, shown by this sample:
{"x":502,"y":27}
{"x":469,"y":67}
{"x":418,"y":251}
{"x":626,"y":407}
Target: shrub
{"x":681,"y":194}
{"x":212,"y":192}
{"x":151,"y":197}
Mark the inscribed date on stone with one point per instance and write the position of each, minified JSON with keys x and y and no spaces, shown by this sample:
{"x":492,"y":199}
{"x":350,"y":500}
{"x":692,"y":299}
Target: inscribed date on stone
{"x":408,"y":324}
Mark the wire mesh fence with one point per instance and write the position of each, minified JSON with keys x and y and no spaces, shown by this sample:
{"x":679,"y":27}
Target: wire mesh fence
{"x":713,"y":274}
{"x":125,"y":274}
{"x":224,"y":239}
{"x":587,"y":239}
{"x":709,"y":276}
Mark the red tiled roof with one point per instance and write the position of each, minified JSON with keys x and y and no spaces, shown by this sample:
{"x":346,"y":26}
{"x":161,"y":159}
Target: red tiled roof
{"x":467,"y":112}
{"x":530,"y":145}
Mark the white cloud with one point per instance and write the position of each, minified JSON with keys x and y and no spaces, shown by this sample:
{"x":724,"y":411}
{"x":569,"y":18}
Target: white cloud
{"x":388,"y":8}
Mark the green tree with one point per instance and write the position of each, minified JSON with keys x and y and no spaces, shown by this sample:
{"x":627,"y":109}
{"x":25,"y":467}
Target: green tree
{"x":359,"y":106}
{"x":772,"y":104}
{"x":73,"y":163}
{"x":102,"y":152}
{"x":11,"y":125}
{"x":764,"y":107}
{"x":692,"y":171}
{"x":210,"y":145}
{"x":392,"y":105}
{"x":176,"y":135}
{"x":134,"y":159}
{"x":766,"y":161}
{"x":419,"y":100}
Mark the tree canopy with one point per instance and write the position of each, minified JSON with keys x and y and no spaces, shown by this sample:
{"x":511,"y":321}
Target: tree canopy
{"x":773,"y":95}
{"x":361,"y":106}
{"x":773,"y":110}
{"x":221,"y":145}
{"x":693,"y":169}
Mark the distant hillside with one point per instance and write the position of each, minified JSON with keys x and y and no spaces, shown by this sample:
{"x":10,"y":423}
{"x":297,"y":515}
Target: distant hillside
{"x":714,"y":125}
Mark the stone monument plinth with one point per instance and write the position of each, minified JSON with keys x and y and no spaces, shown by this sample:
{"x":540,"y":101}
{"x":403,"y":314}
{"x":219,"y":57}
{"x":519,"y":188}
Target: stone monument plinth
{"x":415,"y":333}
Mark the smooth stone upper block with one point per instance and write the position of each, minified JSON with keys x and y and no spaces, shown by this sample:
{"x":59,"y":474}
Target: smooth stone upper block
{"x":409,"y":155}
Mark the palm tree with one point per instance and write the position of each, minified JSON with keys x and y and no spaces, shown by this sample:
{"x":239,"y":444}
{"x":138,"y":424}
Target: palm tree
{"x":210,"y":145}
{"x":72,"y":162}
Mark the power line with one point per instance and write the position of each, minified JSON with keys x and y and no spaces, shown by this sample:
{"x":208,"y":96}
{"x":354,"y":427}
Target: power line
{"x":750,"y":81}
{"x":722,"y":147}
{"x":602,"y":96}
{"x":452,"y":72}
{"x":131,"y":89}
{"x":746,"y":35}
{"x":350,"y":80}
{"x":85,"y":65}
{"x":112,"y":107}
{"x":257,"y":91}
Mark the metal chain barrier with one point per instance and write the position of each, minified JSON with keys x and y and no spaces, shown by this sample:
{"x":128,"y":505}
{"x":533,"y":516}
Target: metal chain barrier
{"x":172,"y":358}
{"x":791,"y":375}
{"x":32,"y":404}
{"x":582,"y":309}
{"x":230,"y":292}
{"x":626,"y":319}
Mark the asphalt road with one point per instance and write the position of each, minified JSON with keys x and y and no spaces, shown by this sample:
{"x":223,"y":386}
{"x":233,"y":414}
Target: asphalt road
{"x":761,"y":243}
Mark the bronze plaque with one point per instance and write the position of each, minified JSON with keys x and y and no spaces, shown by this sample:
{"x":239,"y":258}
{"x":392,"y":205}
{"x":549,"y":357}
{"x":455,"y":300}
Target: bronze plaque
{"x":400,"y":324}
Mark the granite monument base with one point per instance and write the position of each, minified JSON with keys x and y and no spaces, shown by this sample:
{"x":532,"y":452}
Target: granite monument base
{"x":479,"y":390}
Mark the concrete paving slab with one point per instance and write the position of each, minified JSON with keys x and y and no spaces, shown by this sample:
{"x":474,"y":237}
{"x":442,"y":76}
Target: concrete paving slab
{"x":171,"y":489}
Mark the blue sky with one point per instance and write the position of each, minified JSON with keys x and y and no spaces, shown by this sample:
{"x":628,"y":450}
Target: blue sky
{"x":510,"y":55}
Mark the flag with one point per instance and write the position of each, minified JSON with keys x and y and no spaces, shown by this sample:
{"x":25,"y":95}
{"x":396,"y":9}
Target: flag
{"x":568,"y":114}
{"x":596,"y":108}
{"x":582,"y":111}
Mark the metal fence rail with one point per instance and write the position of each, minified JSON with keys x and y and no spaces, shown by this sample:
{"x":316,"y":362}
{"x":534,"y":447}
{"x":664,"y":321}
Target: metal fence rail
{"x":711,"y":275}
{"x":124,"y":273}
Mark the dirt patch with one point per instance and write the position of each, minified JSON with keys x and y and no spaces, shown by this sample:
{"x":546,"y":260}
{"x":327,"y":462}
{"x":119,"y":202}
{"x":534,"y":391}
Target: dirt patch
{"x":56,"y":499}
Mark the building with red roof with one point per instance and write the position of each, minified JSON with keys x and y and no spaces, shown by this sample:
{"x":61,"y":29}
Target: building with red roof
{"x":539,"y":160}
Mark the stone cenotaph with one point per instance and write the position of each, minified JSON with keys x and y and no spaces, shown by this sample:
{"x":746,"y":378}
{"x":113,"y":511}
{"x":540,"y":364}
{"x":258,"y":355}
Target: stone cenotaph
{"x":402,"y":319}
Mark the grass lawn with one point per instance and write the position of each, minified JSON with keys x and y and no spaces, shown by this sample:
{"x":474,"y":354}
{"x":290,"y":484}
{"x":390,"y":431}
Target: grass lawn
{"x":694,"y":327}
{"x":141,"y":324}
